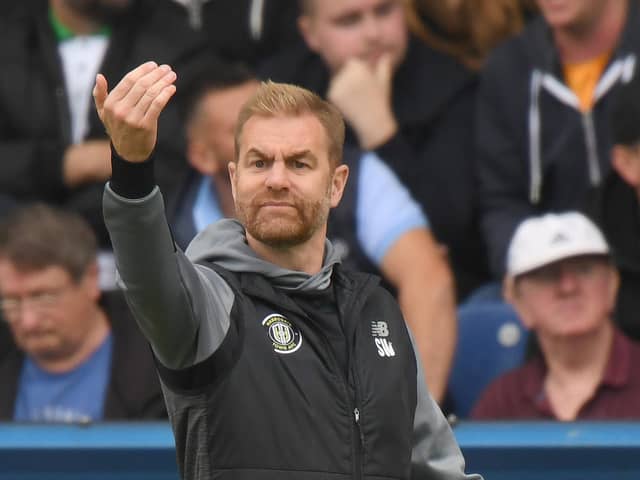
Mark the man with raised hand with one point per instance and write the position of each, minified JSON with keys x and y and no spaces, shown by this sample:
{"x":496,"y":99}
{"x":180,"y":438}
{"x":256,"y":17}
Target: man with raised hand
{"x":269,"y":353}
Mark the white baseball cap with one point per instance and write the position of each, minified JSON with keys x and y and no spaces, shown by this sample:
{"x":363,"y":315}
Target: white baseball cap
{"x":539,"y":241}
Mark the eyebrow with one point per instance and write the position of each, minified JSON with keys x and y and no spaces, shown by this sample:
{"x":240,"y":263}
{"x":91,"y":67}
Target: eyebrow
{"x":296,"y":155}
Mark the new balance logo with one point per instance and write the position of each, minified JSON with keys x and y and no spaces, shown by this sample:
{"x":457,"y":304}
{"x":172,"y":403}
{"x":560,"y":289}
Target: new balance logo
{"x":379,"y":329}
{"x":384,"y":346}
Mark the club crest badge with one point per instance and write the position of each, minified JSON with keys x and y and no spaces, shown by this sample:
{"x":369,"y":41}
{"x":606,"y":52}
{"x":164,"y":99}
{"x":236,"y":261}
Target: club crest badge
{"x":284,"y":336}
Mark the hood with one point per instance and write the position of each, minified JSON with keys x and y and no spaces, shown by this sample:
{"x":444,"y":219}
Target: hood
{"x":225,"y":243}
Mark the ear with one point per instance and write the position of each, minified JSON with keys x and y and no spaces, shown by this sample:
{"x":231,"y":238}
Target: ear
{"x":614,"y":284}
{"x":306,"y":28}
{"x":338,"y":183}
{"x":512,"y":297}
{"x":233,"y":169}
{"x":626,"y":161}
{"x":91,"y":281}
{"x":202,"y":158}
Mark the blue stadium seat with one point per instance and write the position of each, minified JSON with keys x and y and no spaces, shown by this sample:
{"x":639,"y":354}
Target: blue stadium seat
{"x":491,"y":340}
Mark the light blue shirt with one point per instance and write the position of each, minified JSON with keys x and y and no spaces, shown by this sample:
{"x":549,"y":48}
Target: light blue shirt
{"x":69,"y":397}
{"x":385,"y":209}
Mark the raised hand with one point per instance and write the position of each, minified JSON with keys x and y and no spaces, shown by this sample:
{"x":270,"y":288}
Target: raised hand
{"x":131,"y":110}
{"x":362,"y":92}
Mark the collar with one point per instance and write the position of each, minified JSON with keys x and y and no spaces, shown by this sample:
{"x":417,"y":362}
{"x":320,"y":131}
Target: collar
{"x":616,"y":374}
{"x":63,"y":33}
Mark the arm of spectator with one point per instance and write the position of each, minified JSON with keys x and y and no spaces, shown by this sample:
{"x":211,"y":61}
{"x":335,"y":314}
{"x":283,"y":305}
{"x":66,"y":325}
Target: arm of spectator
{"x":87,"y":162}
{"x":417,"y":269}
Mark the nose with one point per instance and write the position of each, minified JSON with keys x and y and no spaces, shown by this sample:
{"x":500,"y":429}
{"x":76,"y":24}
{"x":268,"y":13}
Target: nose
{"x":371,"y":27}
{"x":27,"y":316}
{"x":277,"y":176}
{"x":567,"y":280}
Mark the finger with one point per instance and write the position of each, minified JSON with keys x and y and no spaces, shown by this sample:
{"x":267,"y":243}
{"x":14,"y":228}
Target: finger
{"x":158,"y":104}
{"x":142,"y":86}
{"x":100,"y":93}
{"x":149,"y":95}
{"x":383,"y":70}
{"x":129,"y":80}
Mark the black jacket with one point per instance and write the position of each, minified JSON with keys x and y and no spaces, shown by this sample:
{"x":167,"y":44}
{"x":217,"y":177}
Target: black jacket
{"x":432,"y":153}
{"x":133,"y":391}
{"x":35,"y":122}
{"x":619,"y":218}
{"x":246,"y":30}
{"x":537,"y":152}
{"x":299,"y":416}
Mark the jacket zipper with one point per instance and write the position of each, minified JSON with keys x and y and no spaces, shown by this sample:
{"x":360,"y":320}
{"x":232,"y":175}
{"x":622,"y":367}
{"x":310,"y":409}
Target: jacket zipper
{"x":592,"y":149}
{"x":358,"y":436}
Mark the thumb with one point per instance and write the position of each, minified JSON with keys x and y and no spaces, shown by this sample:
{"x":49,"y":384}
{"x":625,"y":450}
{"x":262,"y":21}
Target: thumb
{"x":100,"y":93}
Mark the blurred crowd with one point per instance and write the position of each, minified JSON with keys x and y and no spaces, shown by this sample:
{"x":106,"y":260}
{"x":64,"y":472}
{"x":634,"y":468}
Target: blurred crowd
{"x":494,"y":186}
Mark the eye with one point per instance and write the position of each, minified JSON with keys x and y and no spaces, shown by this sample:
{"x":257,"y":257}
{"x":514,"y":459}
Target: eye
{"x":297,"y":164}
{"x":258,"y":163}
{"x":348,"y":20}
{"x":385,"y":9}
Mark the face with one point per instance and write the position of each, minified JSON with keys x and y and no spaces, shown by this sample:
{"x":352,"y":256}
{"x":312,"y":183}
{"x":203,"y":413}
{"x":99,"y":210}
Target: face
{"x":46,"y":311}
{"x":211,"y":138}
{"x":366,"y":29}
{"x":283,"y":184}
{"x":571,"y":297}
{"x":571,"y":14}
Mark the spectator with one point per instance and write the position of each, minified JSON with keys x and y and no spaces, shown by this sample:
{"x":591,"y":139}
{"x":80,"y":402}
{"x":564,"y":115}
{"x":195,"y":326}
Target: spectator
{"x":76,"y":357}
{"x":468,"y":29}
{"x":410,"y":104}
{"x":563,"y":284}
{"x":246,"y":31}
{"x":53,"y":147}
{"x":542,"y":132}
{"x":391,"y":240}
{"x":619,"y":210}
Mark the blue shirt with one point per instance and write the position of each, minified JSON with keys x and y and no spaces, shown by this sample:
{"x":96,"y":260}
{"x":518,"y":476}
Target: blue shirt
{"x":69,"y":397}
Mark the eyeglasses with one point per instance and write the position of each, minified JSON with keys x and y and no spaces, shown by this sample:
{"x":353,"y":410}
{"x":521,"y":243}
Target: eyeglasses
{"x":39,"y":302}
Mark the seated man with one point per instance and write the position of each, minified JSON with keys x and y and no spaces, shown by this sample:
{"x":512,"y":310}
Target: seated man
{"x":391,"y":240}
{"x":76,"y":358}
{"x":561,"y":281}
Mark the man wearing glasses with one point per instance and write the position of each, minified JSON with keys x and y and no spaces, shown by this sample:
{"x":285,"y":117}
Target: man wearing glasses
{"x":75,"y":355}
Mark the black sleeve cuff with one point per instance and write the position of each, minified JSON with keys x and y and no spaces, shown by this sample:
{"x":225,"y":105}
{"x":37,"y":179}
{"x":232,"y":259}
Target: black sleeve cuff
{"x":131,"y":180}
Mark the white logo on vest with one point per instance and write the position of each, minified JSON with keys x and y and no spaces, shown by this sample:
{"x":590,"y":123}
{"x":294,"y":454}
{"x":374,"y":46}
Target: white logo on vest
{"x":379,"y":332}
{"x":285,"y":337}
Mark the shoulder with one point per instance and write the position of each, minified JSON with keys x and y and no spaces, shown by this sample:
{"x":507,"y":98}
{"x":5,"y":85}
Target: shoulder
{"x":519,"y":54}
{"x":505,"y":395}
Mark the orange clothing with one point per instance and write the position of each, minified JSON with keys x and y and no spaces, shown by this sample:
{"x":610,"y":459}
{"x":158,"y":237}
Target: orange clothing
{"x":582,"y":78}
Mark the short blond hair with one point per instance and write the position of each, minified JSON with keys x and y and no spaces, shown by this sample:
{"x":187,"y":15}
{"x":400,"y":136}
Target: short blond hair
{"x":274,"y":99}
